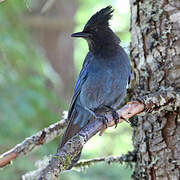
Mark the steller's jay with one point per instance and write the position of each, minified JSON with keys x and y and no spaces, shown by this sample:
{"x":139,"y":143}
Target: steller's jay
{"x":102,"y":82}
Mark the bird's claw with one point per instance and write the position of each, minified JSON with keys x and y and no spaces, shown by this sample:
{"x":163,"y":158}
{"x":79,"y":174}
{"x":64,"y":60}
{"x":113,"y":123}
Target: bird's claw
{"x":115,"y":116}
{"x":121,"y":117}
{"x":103,"y":119}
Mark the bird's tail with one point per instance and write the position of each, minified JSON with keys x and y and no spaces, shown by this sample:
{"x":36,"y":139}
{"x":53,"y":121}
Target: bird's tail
{"x":75,"y":160}
{"x":78,"y":118}
{"x":70,"y":131}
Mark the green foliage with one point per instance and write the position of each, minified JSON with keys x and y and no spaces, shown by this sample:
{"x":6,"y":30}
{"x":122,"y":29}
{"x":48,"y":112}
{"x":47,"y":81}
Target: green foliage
{"x":100,"y":171}
{"x":24,"y":95}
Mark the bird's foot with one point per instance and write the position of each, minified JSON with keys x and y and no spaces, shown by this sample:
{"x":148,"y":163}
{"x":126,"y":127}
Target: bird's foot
{"x":99,"y":117}
{"x":102,"y":118}
{"x":121,"y":117}
{"x":115,"y":115}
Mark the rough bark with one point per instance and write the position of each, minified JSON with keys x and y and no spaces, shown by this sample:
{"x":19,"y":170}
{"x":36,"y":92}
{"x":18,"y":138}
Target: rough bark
{"x":155,"y":48}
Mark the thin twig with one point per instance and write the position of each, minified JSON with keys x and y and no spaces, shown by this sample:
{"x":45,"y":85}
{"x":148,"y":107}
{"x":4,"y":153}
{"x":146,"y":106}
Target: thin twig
{"x":42,"y":137}
{"x":127,"y":158}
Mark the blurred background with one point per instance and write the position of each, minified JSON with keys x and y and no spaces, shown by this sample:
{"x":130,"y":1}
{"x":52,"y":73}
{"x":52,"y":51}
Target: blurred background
{"x":39,"y":64}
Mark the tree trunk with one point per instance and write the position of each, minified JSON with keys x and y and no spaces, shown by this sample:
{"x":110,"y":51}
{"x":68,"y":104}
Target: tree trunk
{"x":155,"y":47}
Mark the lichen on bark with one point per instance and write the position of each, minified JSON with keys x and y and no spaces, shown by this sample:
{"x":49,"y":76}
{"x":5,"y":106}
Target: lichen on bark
{"x":155,"y":56}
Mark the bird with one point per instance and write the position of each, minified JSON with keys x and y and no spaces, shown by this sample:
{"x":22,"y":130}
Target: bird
{"x":105,"y":74}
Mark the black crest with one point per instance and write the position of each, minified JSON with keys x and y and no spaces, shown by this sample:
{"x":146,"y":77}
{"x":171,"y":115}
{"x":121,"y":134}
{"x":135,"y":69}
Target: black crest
{"x":101,"y":17}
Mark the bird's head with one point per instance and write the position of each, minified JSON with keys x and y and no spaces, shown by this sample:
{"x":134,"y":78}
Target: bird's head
{"x":97,"y":31}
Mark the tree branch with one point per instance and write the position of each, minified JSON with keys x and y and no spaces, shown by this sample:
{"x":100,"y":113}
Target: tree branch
{"x":63,"y":157}
{"x":159,"y":100}
{"x":168,"y":99}
{"x":42,"y":137}
{"x":127,"y":158}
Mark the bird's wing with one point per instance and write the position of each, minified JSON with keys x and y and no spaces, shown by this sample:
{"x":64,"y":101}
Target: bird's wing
{"x":75,"y":111}
{"x":81,"y":79}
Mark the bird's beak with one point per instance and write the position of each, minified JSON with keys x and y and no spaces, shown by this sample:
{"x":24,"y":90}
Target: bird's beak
{"x":80,"y":34}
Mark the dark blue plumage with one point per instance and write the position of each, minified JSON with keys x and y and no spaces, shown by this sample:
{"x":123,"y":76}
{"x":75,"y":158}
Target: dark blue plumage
{"x":104,"y":76}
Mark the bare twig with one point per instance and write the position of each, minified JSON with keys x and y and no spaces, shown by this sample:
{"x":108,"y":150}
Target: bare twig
{"x":127,"y":158}
{"x":42,"y":137}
